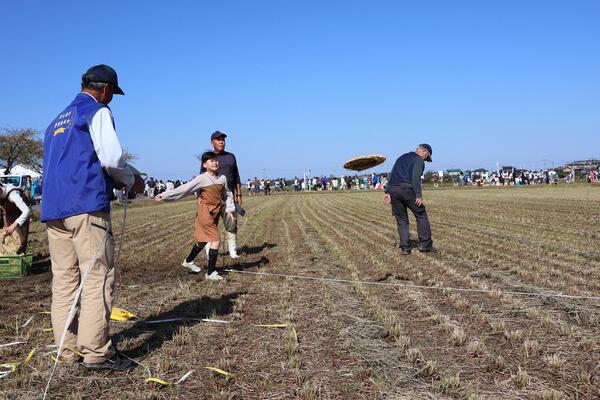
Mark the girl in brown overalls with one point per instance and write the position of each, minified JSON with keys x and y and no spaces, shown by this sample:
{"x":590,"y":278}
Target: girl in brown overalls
{"x":213,"y":191}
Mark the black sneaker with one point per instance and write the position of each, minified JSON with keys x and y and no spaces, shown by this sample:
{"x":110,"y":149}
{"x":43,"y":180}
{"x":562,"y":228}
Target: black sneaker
{"x":406,"y":252}
{"x":116,"y":363}
{"x":426,"y":249}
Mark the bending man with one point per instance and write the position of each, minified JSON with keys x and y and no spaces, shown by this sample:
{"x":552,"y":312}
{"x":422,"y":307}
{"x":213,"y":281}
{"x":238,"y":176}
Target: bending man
{"x":14,"y":206}
{"x":404,"y":191}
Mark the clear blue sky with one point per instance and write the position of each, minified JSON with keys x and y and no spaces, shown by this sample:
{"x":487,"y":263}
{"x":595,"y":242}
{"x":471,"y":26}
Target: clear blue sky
{"x":310,"y":84}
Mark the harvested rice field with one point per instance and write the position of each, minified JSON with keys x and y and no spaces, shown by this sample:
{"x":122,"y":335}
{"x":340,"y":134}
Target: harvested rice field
{"x":523,"y":324}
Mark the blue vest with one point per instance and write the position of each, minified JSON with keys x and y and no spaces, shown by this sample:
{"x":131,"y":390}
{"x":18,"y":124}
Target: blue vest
{"x":402,"y":171}
{"x":74,"y":181}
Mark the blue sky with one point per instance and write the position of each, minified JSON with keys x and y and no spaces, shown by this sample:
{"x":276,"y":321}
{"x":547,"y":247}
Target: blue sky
{"x":310,"y":84}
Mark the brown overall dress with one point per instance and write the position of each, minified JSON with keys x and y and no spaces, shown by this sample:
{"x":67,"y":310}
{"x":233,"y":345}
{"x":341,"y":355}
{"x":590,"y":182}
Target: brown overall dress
{"x":10,"y":213}
{"x":209,"y":211}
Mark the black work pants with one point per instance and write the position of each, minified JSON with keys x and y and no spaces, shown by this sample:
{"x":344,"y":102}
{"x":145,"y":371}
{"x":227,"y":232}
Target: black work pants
{"x":403,"y":198}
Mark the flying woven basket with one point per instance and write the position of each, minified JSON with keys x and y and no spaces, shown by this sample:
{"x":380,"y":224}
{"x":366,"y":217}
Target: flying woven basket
{"x":364,"y":162}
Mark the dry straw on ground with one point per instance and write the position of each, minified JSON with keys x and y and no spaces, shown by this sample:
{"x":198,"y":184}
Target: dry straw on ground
{"x":345,"y":341}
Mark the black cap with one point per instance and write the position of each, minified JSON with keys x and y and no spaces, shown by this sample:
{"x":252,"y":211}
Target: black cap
{"x":428,"y":148}
{"x":216,"y":135}
{"x":102,"y":73}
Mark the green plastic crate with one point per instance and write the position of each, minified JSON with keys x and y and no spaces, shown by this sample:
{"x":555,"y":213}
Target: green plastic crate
{"x":15,"y":266}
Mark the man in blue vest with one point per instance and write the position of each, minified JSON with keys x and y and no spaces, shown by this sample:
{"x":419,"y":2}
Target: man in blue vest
{"x":404,"y":191}
{"x":83,"y":159}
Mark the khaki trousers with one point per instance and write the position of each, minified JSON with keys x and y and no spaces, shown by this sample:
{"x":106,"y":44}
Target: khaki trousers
{"x":73,"y":242}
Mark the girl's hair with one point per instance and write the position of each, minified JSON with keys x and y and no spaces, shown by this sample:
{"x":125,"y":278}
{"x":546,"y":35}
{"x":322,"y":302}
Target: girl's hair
{"x":207,"y":155}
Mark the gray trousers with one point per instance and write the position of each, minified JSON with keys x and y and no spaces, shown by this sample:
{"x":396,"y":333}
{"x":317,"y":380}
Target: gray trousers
{"x":403,"y":198}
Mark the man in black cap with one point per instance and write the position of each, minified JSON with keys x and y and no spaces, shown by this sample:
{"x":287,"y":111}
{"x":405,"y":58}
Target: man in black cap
{"x":228,"y":167}
{"x":404,"y":191}
{"x":83,"y":161}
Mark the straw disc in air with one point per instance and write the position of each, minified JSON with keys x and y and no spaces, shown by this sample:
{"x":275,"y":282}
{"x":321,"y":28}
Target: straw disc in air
{"x":364,"y":162}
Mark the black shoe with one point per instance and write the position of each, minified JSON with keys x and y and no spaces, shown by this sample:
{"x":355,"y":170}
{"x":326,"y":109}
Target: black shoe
{"x":116,"y":363}
{"x":406,"y":252}
{"x":426,"y":249}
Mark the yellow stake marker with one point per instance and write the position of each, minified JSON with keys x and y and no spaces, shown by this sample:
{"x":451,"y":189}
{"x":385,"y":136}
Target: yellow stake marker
{"x":16,"y":365}
{"x":80,"y":354}
{"x":159,"y":381}
{"x":121,"y":315}
{"x":219,"y":371}
{"x":29,"y":357}
{"x":56,"y":360}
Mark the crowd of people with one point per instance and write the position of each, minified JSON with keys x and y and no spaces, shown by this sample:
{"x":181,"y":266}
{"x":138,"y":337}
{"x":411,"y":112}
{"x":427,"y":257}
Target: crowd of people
{"x":318,"y":183}
{"x":510,"y":178}
{"x":155,"y":187}
{"x":152,"y":188}
{"x":373,"y":181}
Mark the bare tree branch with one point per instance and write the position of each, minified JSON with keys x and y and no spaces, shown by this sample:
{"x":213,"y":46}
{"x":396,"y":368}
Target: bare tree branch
{"x":21,"y":146}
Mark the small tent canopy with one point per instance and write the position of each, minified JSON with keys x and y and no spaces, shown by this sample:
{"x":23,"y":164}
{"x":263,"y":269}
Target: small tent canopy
{"x":20,"y":170}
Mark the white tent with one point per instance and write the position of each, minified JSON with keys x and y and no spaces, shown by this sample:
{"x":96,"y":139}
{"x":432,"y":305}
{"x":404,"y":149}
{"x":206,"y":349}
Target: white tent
{"x":21,"y":170}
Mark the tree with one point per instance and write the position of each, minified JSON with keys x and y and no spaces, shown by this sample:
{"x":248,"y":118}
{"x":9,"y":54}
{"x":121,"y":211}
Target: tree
{"x":20,"y":146}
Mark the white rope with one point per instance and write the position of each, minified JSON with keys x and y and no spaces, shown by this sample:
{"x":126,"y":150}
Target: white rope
{"x":412,"y":286}
{"x":122,"y":233}
{"x":73,"y":308}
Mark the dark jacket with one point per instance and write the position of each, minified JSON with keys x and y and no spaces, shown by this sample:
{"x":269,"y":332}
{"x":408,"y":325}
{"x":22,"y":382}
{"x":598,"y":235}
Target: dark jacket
{"x":407,"y":171}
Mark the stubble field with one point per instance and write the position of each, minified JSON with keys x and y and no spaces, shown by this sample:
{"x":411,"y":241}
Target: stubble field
{"x":392,"y":327}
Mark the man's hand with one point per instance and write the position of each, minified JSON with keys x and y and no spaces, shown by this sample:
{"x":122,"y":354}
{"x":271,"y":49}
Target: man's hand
{"x":419,"y":201}
{"x":387,"y":199}
{"x":11,"y":229}
{"x":238,"y":198}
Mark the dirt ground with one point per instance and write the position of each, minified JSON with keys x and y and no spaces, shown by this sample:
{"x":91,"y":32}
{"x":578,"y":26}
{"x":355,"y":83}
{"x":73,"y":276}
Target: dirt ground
{"x":389,"y":327}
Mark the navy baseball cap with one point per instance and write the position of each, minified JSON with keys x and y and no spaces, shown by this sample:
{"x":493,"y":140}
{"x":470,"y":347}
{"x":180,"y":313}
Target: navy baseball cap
{"x":103,"y":73}
{"x":428,"y":148}
{"x":217,"y":134}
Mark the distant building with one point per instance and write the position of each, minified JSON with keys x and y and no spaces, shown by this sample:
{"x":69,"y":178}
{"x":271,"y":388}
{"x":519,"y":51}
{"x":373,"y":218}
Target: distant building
{"x":454,"y":172}
{"x":583,"y":166}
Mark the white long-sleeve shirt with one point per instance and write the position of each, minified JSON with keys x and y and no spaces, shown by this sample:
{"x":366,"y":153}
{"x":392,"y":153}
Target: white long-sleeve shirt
{"x":17,"y":200}
{"x":108,"y":148}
